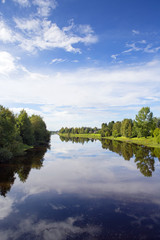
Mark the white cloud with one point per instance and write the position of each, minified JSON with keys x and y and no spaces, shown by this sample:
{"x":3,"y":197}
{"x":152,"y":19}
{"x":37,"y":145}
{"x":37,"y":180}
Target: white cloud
{"x":45,"y":6}
{"x":28,"y":25}
{"x":7,"y":63}
{"x":132,"y":47}
{"x":3,"y":1}
{"x":135,"y":32}
{"x":33,"y":34}
{"x":6,"y":34}
{"x":23,"y":3}
{"x":57,"y":60}
{"x":99,"y":89}
{"x":85,"y":29}
{"x":150,"y":49}
{"x":114,"y":56}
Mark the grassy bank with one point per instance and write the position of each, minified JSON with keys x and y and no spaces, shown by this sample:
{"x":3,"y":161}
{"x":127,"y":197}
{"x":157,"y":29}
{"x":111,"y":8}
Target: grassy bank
{"x":86,"y":135}
{"x":148,"y":142}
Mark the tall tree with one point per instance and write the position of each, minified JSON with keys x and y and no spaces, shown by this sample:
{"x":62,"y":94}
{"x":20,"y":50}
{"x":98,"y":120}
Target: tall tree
{"x":25,"y":127}
{"x":144,"y":122}
{"x":126,"y":128}
{"x":9,"y":138}
{"x":116,"y":131}
{"x":41,"y":134}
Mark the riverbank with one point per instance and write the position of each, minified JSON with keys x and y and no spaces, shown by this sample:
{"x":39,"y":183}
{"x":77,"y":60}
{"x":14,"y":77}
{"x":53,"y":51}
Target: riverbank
{"x":148,"y":142}
{"x":86,"y":135}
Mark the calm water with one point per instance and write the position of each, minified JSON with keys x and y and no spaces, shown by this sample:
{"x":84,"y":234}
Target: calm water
{"x":81,"y":190}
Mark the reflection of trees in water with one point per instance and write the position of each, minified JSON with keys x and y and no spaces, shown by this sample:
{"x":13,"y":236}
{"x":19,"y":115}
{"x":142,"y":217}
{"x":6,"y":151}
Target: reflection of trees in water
{"x":144,"y":157}
{"x":75,"y":139}
{"x":21,"y":166}
{"x":122,"y":148}
{"x":145,"y":162}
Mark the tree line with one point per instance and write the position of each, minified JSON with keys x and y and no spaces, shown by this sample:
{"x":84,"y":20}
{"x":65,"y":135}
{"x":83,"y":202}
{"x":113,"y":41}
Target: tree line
{"x":18,"y":130}
{"x":76,"y":130}
{"x":143,"y":125}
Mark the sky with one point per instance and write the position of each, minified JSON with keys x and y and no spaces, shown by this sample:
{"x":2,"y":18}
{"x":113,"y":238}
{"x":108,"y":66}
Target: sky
{"x":80,"y":62}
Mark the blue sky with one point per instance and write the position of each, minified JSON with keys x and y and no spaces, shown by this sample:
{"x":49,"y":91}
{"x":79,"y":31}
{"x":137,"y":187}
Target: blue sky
{"x":80,"y":62}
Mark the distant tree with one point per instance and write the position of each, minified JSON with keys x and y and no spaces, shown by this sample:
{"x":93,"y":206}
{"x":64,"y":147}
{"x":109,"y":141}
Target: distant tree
{"x":76,"y":131}
{"x":87,"y":130}
{"x":62,"y":130}
{"x":110,"y":125}
{"x":66,"y":130}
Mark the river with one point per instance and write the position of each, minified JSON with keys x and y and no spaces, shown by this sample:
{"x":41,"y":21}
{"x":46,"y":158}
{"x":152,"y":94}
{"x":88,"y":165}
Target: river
{"x":81,"y":190}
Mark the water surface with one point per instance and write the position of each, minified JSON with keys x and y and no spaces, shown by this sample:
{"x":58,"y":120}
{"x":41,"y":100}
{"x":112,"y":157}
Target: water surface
{"x":81,"y":190}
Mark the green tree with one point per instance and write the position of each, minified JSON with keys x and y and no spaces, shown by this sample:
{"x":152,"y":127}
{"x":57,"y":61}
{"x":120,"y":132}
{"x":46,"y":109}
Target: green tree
{"x":41,"y":134}
{"x":116,"y":131}
{"x":110,"y":127}
{"x":9,"y":137}
{"x":126,"y":128}
{"x":25,"y":128}
{"x":144,"y":122}
{"x":62,"y":130}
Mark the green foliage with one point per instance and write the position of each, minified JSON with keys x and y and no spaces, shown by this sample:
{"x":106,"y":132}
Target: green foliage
{"x":82,"y":130}
{"x":7,"y":127}
{"x":5,"y":154}
{"x":25,"y":128}
{"x":8,"y":134}
{"x":156,"y":134}
{"x":110,"y":127}
{"x":116,"y":131}
{"x":15,"y":131}
{"x":145,"y":162}
{"x":144,"y":122}
{"x":40,"y":132}
{"x":126,"y":128}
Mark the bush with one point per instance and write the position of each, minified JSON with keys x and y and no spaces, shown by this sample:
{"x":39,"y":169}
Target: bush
{"x":5,"y":154}
{"x":156,"y":134}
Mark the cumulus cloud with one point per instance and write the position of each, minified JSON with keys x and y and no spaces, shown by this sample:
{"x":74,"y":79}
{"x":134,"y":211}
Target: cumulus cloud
{"x":33,"y":34}
{"x":7,"y":63}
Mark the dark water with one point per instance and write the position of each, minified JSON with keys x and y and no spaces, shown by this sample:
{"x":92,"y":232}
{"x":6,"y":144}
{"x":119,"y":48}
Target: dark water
{"x":83,"y":190}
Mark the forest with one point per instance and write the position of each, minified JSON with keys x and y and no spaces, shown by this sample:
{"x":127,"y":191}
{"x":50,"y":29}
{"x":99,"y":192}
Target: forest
{"x":19,"y":132}
{"x":144,"y":125}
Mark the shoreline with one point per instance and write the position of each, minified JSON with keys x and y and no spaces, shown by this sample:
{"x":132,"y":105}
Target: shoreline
{"x":147,"y":142}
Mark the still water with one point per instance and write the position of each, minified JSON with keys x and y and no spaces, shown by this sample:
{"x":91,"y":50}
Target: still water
{"x":81,"y":190}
